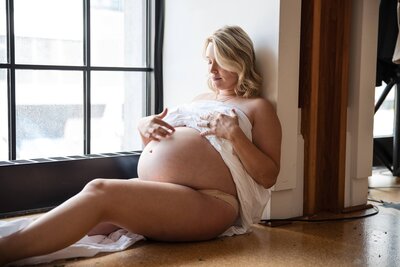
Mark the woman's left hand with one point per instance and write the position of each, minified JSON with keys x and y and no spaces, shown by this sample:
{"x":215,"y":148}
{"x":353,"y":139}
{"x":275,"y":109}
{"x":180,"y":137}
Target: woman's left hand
{"x":220,"y":125}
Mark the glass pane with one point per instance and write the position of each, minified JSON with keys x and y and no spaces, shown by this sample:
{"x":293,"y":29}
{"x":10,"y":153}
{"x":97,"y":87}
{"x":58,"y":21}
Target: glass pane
{"x":3,"y":32}
{"x":384,"y":117}
{"x":117,"y":105}
{"x":118,"y":33}
{"x":3,"y":116}
{"x":49,"y":32}
{"x":49,"y":113}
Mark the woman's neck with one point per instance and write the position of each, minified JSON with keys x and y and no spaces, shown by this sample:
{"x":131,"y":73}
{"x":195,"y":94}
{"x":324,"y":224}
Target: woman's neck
{"x":227,"y":92}
{"x":222,"y":97}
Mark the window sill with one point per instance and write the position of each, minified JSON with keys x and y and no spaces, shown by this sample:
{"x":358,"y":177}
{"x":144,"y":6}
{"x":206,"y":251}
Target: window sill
{"x":34,"y":185}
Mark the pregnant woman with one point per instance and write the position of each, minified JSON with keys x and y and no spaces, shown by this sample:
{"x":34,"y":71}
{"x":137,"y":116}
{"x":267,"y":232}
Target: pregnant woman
{"x":205,"y":169}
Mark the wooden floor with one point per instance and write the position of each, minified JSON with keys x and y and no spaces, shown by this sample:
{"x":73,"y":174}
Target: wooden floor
{"x":371,"y":241}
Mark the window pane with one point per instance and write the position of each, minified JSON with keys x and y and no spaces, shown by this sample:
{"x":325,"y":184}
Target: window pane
{"x":3,"y":116}
{"x":117,"y":105}
{"x":49,"y":113}
{"x":49,"y":32}
{"x":3,"y":32}
{"x":118,"y":33}
{"x":384,"y":117}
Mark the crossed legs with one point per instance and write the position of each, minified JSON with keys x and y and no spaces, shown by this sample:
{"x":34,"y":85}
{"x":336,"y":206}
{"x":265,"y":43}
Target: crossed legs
{"x":161,"y":211}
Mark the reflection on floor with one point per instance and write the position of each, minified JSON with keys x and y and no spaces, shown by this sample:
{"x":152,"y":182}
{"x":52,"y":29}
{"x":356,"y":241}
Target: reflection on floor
{"x":372,"y":241}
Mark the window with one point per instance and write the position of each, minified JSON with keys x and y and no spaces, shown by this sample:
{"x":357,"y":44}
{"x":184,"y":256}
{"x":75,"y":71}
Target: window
{"x":75,"y":76}
{"x":3,"y":116}
{"x":386,"y":137}
{"x":384,"y":117}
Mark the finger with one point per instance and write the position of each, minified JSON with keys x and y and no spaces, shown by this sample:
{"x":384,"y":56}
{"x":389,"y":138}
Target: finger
{"x":165,"y":124}
{"x":205,"y":133}
{"x":207,"y":116}
{"x":149,"y":133}
{"x":162,"y":114}
{"x":235,"y":116}
{"x":204,"y":117}
{"x":153,"y":137}
{"x":204,"y":124}
{"x":163,"y":132}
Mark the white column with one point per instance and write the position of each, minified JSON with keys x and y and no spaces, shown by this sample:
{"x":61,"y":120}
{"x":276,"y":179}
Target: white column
{"x":287,"y":195}
{"x":359,"y":150}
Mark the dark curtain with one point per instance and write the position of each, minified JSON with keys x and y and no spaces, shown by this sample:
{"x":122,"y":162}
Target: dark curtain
{"x":388,"y":30}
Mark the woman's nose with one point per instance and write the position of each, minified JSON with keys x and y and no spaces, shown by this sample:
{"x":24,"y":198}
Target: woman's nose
{"x":213,"y":68}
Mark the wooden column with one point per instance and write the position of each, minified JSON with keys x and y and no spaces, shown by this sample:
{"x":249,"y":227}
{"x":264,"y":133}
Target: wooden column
{"x":324,"y":67}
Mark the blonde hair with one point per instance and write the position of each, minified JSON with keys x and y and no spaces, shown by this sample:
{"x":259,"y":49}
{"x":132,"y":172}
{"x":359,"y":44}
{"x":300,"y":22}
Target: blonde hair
{"x":234,"y":52}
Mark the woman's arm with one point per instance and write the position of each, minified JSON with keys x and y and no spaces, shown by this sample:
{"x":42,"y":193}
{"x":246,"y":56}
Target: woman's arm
{"x":260,"y":158}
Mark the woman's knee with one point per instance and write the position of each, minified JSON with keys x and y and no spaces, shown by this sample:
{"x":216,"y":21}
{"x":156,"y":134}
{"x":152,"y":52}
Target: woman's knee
{"x":98,"y":186}
{"x":96,"y":197}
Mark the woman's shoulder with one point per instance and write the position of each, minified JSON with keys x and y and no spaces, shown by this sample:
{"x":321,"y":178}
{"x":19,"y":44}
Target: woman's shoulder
{"x":260,"y":110}
{"x":258,"y":105}
{"x":259,"y":101}
{"x":204,"y":96}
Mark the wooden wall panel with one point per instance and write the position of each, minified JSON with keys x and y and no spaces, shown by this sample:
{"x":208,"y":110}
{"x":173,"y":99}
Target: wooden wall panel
{"x":324,"y":55}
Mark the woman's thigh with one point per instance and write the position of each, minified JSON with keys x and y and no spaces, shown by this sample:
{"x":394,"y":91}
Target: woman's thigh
{"x":164,"y":211}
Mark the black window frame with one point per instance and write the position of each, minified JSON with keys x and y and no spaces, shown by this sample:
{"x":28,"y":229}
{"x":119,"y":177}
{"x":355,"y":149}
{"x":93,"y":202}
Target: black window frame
{"x":28,"y":186}
{"x":386,"y":149}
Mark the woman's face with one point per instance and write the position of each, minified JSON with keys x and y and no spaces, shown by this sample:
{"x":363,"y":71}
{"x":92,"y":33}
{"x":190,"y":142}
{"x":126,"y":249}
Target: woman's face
{"x":221,"y":79}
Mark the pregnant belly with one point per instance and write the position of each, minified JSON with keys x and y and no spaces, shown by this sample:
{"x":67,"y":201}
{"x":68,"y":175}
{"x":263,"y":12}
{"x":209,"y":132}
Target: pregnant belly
{"x":188,"y":159}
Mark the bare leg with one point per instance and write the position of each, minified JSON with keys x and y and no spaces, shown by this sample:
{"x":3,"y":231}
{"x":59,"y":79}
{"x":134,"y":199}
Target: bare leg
{"x":54,"y":230}
{"x":158,"y":210}
{"x":103,"y":229}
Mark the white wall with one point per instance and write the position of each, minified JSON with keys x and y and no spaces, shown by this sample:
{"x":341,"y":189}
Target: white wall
{"x":274,"y":27}
{"x":189,"y":22}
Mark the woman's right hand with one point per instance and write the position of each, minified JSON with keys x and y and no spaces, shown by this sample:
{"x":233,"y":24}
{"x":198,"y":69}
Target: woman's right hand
{"x":154,"y":128}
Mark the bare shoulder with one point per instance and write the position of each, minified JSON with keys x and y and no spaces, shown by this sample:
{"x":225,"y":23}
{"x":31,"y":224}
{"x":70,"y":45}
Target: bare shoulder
{"x":259,"y":109}
{"x":265,"y":118}
{"x":203,"y":96}
{"x":261,"y":105}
